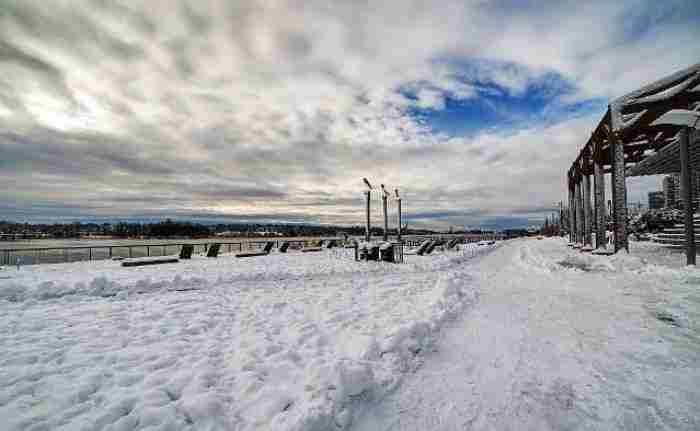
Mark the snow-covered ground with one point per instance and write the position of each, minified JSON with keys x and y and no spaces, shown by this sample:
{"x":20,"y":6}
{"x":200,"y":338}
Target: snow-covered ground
{"x":525,"y":335}
{"x":282,"y":342}
{"x":561,"y":340}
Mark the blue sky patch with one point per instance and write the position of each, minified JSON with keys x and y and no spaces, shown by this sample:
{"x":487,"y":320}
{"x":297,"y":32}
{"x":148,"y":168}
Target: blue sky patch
{"x":499,"y":108}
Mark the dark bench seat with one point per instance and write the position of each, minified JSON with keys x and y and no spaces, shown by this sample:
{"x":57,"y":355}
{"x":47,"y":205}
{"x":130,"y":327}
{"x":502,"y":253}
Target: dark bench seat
{"x":141,"y":261}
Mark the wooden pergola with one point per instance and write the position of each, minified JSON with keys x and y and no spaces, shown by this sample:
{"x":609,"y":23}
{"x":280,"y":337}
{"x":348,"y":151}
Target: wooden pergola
{"x":650,"y":131}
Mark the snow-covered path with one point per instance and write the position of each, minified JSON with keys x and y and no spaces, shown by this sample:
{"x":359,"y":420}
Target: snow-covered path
{"x":559,"y":340}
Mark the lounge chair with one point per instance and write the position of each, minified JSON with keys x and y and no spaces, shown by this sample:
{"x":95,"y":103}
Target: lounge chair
{"x":265,"y":251}
{"x":283,"y":247}
{"x":331,"y":243}
{"x":420,"y":250}
{"x":186,"y":251}
{"x":453,"y":242}
{"x":213,"y":250}
{"x":430,"y":248}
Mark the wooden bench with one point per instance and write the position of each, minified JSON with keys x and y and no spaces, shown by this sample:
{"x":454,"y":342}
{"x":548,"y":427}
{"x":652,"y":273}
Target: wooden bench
{"x":142,"y":261}
{"x":311,"y":249}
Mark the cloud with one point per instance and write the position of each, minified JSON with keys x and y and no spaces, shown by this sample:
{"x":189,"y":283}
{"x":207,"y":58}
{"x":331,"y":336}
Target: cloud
{"x":256,"y":109}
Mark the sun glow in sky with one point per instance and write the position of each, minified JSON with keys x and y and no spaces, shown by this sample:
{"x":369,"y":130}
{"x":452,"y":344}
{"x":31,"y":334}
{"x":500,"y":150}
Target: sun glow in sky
{"x":274,"y":110}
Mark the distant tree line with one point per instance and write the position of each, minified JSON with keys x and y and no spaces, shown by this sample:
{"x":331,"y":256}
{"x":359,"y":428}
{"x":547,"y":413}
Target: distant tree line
{"x":178,"y":229}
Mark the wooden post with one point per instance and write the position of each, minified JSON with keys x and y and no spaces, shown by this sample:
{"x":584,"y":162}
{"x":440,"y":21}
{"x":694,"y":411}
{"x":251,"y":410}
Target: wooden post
{"x":579,"y":212}
{"x":599,"y":183}
{"x":572,"y":216}
{"x":368,"y":231}
{"x":587,"y":227}
{"x":687,"y":194}
{"x":619,"y":193}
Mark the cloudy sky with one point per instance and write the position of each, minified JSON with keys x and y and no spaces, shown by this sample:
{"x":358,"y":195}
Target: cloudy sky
{"x":273,"y":110}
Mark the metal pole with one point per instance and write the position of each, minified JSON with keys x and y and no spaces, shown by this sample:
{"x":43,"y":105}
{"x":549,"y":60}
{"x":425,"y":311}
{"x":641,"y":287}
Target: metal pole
{"x":398,"y":230}
{"x":386,"y":218}
{"x":368,"y":227}
{"x":687,"y":194}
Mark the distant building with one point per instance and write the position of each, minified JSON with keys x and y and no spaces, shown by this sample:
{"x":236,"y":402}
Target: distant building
{"x":671,"y":187}
{"x":656,"y":200}
{"x":672,"y":190}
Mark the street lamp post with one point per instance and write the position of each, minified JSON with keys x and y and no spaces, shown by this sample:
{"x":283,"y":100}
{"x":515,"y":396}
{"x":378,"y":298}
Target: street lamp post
{"x":368,"y":227}
{"x":385,"y":195}
{"x":398,"y":204}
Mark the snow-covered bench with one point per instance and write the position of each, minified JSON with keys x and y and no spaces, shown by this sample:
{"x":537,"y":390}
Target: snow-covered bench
{"x":316,"y":247}
{"x":156,"y":260}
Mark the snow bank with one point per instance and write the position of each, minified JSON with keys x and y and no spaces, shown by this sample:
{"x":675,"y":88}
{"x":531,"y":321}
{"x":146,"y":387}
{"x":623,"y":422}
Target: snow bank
{"x":283,"y":342}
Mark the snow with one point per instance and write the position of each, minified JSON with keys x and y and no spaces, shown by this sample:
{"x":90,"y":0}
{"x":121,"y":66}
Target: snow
{"x":524,"y":334}
{"x":286,"y":341}
{"x":561,"y":340}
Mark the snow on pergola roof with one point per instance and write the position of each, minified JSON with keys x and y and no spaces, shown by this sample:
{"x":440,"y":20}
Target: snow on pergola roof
{"x":649,"y":148}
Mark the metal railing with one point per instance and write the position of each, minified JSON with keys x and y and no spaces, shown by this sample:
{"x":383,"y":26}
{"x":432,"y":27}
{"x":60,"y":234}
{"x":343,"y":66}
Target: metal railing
{"x":38,"y":255}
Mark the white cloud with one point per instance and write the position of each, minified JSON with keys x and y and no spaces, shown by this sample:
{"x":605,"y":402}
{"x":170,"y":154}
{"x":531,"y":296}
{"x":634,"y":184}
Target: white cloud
{"x":180,"y":99}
